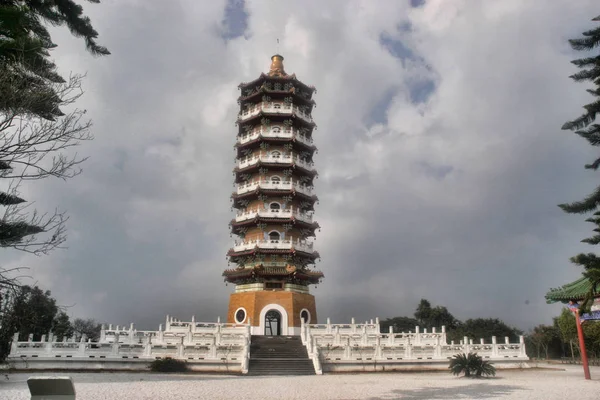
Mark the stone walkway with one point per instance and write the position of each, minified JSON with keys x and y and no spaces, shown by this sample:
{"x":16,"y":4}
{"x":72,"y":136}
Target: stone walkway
{"x":525,"y":384}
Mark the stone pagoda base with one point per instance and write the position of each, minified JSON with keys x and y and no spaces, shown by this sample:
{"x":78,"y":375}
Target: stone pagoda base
{"x":252,"y":307}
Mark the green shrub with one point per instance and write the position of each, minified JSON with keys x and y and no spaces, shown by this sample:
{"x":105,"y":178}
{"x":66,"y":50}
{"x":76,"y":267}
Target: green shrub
{"x":471,"y":365}
{"x":168,"y":365}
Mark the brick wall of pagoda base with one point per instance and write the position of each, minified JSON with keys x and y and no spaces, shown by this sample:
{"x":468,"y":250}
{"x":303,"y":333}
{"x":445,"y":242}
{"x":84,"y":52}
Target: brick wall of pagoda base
{"x":256,"y":304}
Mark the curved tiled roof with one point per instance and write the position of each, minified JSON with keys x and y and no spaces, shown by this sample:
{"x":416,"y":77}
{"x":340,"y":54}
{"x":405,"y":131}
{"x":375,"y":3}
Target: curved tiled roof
{"x":571,"y":291}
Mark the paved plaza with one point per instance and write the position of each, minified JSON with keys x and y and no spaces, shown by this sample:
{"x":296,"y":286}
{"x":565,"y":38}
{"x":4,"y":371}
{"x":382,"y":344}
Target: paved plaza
{"x":525,"y":384}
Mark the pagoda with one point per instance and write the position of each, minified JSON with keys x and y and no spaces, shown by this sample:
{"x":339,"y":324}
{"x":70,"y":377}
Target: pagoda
{"x":274,"y":258}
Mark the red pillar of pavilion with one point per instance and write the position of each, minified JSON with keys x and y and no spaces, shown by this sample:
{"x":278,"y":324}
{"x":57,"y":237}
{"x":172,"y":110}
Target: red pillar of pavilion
{"x":584,"y":359}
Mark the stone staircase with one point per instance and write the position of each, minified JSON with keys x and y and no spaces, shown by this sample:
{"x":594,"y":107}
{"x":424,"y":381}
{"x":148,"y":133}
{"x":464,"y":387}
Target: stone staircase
{"x":279,"y":355}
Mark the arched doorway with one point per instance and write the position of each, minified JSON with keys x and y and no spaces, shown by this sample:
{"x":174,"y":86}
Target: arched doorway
{"x":273,"y":323}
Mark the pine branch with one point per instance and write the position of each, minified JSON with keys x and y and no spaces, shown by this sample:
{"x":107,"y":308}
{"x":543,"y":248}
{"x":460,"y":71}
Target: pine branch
{"x":591,"y":134}
{"x":580,"y":122}
{"x":586,"y":74}
{"x":588,"y":61}
{"x":594,"y":165}
{"x":593,"y":240}
{"x":588,"y":204}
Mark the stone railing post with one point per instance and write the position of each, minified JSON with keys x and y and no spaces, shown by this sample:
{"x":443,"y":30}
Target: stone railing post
{"x":218,"y":334}
{"x":417,"y":335}
{"x":115,"y":345}
{"x":148,"y":346}
{"x":353,"y":325}
{"x":444,"y":339}
{"x":467,"y":348}
{"x":180,"y":348}
{"x":377,"y":327}
{"x":506,"y":340}
{"x":481,"y":341}
{"x":391,"y":336}
{"x":364,"y":339}
{"x":347,"y":349}
{"x":161,"y":334}
{"x":408,"y":349}
{"x":213,"y":348}
{"x":30,"y":338}
{"x":378,"y":347}
{"x":494,"y":347}
{"x":302,"y":331}
{"x":437,"y":353}
{"x":522,"y":350}
{"x":14,"y":346}
{"x":328,"y":325}
{"x":102,"y":333}
{"x":337,"y":337}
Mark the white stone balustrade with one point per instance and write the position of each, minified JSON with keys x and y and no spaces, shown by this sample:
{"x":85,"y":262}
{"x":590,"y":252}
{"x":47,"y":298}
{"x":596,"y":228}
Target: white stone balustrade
{"x":274,"y":159}
{"x":280,"y":213}
{"x":300,"y":245}
{"x":273,"y":108}
{"x":273,"y":185}
{"x":346,"y":344}
{"x":197,"y":342}
{"x":269,"y":133}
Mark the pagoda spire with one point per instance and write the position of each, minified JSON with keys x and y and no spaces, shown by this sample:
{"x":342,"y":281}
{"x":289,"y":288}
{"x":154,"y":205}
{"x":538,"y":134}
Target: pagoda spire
{"x":277,"y":66}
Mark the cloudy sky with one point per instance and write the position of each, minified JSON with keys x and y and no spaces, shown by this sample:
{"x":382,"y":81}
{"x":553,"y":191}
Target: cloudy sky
{"x":441,"y":157}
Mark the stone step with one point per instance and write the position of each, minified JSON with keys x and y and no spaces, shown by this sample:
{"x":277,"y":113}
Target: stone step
{"x":281,"y":367}
{"x":279,"y":355}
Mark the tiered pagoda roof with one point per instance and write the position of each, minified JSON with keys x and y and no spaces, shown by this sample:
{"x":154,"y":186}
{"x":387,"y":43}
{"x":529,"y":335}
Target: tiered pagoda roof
{"x":274,"y":174}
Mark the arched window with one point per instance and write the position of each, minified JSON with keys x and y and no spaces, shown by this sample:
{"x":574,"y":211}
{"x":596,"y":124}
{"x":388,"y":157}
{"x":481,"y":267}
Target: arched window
{"x":276,"y":154}
{"x":276,"y":129}
{"x":275,"y":179}
{"x":274,"y":236}
{"x":274,"y":207}
{"x":277,"y":106}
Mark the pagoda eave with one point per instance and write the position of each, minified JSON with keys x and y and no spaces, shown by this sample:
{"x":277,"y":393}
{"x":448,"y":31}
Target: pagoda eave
{"x":278,"y":166}
{"x":292,"y":77}
{"x":273,"y":192}
{"x":257,"y":250}
{"x":287,"y":220}
{"x":258,"y":140}
{"x":263,"y":91}
{"x":287,"y":272}
{"x":283,"y":116}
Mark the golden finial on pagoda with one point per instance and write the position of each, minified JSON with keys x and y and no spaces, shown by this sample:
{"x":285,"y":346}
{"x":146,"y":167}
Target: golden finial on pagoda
{"x":277,"y":66}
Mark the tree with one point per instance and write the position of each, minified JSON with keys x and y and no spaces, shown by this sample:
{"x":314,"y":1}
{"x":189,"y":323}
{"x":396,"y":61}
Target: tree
{"x":542,"y":337}
{"x":34,"y":148}
{"x":26,"y":310}
{"x":471,"y":364}
{"x":34,"y":132}
{"x":88,"y":327}
{"x":484,"y":328}
{"x":423,"y":311}
{"x":435,"y":317}
{"x":61,"y":326}
{"x":567,"y":327}
{"x":24,"y":52}
{"x":400,"y":324}
{"x":584,"y":127}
